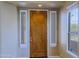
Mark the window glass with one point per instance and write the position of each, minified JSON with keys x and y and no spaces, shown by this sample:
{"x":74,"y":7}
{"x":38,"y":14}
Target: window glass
{"x":23,"y":27}
{"x":73,"y":31}
{"x":74,"y":20}
{"x":73,"y":43}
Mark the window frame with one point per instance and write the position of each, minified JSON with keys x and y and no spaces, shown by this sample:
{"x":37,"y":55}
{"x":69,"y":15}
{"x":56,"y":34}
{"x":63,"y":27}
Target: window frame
{"x":68,"y":28}
{"x":22,"y":45}
{"x":55,"y":43}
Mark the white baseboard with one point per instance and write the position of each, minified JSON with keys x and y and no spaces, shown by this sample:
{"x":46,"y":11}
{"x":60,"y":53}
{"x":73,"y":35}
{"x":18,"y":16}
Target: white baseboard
{"x":53,"y":56}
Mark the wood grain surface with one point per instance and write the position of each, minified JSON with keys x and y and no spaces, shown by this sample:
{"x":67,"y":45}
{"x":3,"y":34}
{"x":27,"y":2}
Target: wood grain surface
{"x":38,"y":34}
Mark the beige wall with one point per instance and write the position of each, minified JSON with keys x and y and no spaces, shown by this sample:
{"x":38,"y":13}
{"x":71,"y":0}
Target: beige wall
{"x":63,"y":31}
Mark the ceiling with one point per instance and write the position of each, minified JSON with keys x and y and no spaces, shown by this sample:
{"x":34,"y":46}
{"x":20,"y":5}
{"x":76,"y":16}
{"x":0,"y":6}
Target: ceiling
{"x":34,"y":4}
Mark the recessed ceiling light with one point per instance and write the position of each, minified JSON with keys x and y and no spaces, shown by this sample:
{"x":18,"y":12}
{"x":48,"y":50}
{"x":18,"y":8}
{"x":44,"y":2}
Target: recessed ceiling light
{"x":39,"y":5}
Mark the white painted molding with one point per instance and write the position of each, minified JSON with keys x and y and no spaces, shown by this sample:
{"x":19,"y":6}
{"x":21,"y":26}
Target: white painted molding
{"x":72,"y":54}
{"x":37,"y":9}
{"x":71,"y":5}
{"x":53,"y":45}
{"x":22,"y":45}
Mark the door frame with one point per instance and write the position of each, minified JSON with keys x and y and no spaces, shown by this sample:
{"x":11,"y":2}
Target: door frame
{"x":47,"y":27}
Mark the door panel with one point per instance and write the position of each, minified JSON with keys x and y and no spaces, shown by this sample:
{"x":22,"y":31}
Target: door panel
{"x":38,"y":33}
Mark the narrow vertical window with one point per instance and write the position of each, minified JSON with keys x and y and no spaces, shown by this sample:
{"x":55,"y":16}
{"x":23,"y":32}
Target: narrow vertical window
{"x":53,"y":28}
{"x":22,"y":28}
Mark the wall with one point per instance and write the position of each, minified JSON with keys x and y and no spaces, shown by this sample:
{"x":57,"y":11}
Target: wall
{"x":63,"y":31}
{"x":8,"y":30}
{"x":0,"y":30}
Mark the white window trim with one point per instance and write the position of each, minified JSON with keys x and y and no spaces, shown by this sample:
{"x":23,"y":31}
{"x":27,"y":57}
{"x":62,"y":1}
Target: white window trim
{"x":68,"y":10}
{"x":55,"y":43}
{"x":22,"y":45}
{"x":71,"y":5}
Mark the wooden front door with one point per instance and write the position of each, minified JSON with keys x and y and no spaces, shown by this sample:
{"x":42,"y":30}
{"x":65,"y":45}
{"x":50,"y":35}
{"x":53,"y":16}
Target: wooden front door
{"x":38,"y":34}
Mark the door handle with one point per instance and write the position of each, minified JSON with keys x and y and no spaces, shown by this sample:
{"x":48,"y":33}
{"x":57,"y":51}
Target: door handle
{"x":31,"y":40}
